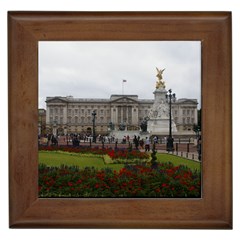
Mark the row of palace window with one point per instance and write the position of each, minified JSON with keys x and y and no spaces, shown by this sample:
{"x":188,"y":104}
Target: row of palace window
{"x":187,"y":120}
{"x":101,"y":112}
{"x":188,"y":112}
{"x":143,"y":112}
{"x":77,"y":120}
{"x":72,"y":112}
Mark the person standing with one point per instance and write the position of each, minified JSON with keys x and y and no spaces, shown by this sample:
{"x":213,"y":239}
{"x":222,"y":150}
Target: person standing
{"x":147,"y":145}
{"x":141,"y":143}
{"x":136,"y":142}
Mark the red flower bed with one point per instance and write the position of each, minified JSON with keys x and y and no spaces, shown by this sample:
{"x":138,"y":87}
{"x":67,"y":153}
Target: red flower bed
{"x":131,"y":181}
{"x":124,"y":154}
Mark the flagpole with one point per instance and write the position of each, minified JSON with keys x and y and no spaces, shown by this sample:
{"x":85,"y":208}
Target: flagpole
{"x":123,"y":81}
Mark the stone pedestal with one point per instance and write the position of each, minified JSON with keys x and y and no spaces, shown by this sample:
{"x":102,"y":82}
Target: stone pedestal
{"x":158,"y":123}
{"x":160,"y":127}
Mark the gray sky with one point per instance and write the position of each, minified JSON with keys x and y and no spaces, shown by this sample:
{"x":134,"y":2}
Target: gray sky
{"x":90,"y":69}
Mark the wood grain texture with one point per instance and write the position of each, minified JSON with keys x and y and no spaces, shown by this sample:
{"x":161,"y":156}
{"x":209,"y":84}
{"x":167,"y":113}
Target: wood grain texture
{"x":213,"y":210}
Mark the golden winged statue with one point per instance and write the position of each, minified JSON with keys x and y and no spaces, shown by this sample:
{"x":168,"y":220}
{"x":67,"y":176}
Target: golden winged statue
{"x":160,"y":83}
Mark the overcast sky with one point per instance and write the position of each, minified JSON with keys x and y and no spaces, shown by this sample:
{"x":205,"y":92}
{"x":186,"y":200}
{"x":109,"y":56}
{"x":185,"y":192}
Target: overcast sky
{"x":93,"y":69}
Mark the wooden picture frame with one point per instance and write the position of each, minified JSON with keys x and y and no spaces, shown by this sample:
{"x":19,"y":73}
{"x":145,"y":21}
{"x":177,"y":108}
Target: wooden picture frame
{"x":212,"y":211}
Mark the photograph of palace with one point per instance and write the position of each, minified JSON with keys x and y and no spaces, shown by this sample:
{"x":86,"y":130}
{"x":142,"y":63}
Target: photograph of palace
{"x":120,"y":119}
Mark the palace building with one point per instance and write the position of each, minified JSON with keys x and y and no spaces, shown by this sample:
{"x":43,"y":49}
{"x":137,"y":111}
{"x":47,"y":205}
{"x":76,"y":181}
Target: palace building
{"x":74,"y":115}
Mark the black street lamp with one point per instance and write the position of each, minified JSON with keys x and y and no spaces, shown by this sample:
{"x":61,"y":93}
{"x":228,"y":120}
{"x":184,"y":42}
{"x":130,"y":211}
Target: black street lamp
{"x":169,"y":97}
{"x":67,"y":133}
{"x":94,"y":132}
{"x":55,"y":125}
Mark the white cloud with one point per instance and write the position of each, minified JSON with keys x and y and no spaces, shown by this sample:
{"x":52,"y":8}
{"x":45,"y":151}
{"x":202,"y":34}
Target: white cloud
{"x":96,"y":69}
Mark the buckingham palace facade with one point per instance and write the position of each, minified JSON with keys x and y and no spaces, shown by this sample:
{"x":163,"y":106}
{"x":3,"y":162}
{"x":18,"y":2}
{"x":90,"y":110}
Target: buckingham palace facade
{"x":74,"y":115}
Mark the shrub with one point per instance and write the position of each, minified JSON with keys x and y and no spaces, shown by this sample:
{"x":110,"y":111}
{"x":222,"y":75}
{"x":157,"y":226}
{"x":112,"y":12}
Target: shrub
{"x":153,"y":157}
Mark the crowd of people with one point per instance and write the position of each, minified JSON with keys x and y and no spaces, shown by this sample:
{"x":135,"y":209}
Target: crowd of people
{"x":77,"y":139}
{"x":137,"y":142}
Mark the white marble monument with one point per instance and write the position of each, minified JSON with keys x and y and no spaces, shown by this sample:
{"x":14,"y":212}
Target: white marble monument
{"x":158,"y":123}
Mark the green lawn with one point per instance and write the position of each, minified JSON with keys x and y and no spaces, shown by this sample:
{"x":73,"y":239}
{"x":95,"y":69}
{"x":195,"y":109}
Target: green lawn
{"x":60,"y":158}
{"x":164,"y":157}
{"x":82,"y":161}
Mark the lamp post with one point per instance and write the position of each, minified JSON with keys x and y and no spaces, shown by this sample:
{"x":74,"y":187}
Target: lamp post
{"x":169,"y":97}
{"x":199,"y":141}
{"x":94,"y":132}
{"x":55,"y":128}
{"x":39,"y":129}
{"x":67,"y":133}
